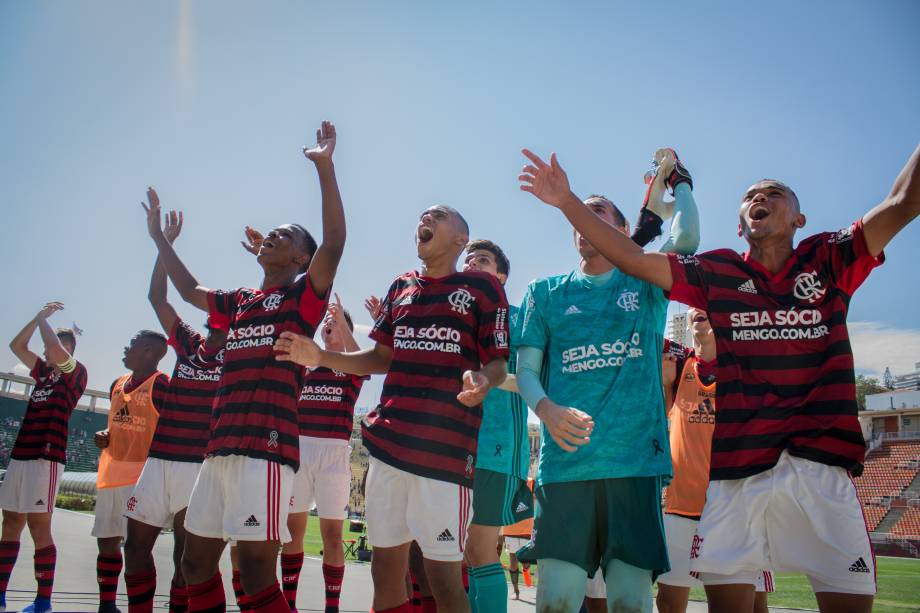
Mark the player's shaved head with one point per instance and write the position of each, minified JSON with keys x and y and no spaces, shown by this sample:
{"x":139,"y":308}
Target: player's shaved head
{"x":154,"y":340}
{"x":768,"y":183}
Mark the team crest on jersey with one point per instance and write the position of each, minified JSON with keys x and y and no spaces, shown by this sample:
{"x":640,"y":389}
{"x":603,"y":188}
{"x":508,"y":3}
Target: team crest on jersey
{"x":809,"y":287}
{"x":460,"y":301}
{"x":628,"y":301}
{"x":271,"y":302}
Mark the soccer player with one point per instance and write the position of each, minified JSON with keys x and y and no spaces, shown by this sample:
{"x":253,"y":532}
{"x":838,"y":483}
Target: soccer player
{"x":326,"y":409}
{"x":787,"y":435}
{"x":165,"y":485}
{"x":688,"y":376}
{"x":514,"y":537}
{"x":244,"y":486}
{"x":442,"y":341}
{"x":500,"y":493}
{"x":37,"y":461}
{"x":137,"y":398}
{"x":595,"y":335}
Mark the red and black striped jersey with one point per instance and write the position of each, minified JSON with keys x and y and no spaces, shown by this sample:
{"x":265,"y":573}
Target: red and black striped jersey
{"x":326,"y":406}
{"x":43,"y":434}
{"x":255,"y":409}
{"x":438,"y":329}
{"x":785,"y":366}
{"x":184,"y":426}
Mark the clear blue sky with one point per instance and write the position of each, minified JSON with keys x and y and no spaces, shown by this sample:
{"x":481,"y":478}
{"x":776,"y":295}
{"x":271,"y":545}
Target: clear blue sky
{"x":211,"y":101}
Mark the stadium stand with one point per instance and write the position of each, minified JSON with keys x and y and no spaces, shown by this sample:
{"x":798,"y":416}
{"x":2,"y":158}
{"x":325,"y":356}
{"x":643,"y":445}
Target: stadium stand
{"x":908,"y":525}
{"x":889,"y":470}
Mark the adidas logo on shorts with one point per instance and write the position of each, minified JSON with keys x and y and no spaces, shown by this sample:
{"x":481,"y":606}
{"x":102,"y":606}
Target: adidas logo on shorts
{"x":572,"y":310}
{"x":252,"y":522}
{"x":859,"y":566}
{"x":40,"y":503}
{"x":748,"y":287}
{"x":446,"y":537}
{"x":521,"y":508}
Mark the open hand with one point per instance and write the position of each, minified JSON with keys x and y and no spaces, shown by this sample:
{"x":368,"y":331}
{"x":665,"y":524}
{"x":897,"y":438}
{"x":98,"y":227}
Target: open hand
{"x":253,"y":241}
{"x":374,"y":306}
{"x":50,"y":309}
{"x":548,"y":182}
{"x":297,"y":348}
{"x":173,"y":226}
{"x":569,"y":427}
{"x":475,"y":387}
{"x":325,"y":144}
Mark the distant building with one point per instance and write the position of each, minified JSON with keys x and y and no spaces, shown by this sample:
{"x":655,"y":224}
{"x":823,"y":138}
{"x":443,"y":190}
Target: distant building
{"x":910,"y":381}
{"x":679,"y":330}
{"x":894,"y":414}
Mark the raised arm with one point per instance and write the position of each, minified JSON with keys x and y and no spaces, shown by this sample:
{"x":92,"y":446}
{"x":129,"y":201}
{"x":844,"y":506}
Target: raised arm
{"x":901,"y":207}
{"x":20,"y":343}
{"x":54,"y":349}
{"x":182,"y":279}
{"x":157,"y":294}
{"x":326,"y":259}
{"x":303,"y":350}
{"x":549,"y":183}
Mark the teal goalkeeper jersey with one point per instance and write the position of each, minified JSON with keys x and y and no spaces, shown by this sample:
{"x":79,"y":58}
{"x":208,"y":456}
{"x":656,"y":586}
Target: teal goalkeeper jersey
{"x":503,"y":444}
{"x":602,"y":354}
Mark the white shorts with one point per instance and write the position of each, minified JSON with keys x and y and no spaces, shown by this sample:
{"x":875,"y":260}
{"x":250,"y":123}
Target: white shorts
{"x":513,"y":544}
{"x":679,"y":532}
{"x":111,"y":504}
{"x":324,"y":477}
{"x":163,"y":489}
{"x":237,"y":498}
{"x":798,"y":517}
{"x":596,"y":587}
{"x":30,"y":486}
{"x":402,"y":507}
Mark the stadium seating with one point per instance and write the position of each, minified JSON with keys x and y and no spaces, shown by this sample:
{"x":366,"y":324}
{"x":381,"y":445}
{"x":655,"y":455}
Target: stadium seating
{"x":909,"y":524}
{"x":888,"y":471}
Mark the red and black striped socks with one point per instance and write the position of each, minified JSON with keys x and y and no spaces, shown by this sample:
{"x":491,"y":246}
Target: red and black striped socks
{"x":270,"y":600}
{"x":9,"y":551}
{"x":207,"y":597}
{"x":332,"y":576}
{"x":242,"y":600}
{"x":141,"y":588}
{"x":45,"y":561}
{"x":178,"y":599}
{"x":108,"y":567}
{"x":291,"y":565}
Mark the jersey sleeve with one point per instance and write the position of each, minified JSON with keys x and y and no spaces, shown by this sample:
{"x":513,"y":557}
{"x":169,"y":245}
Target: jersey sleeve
{"x":493,"y":336}
{"x":159,"y":392}
{"x":849,"y":259}
{"x":312,"y":307}
{"x":184,"y":339}
{"x":221,"y":305}
{"x":689,"y":280}
{"x":534,"y":331}
{"x":382,"y":331}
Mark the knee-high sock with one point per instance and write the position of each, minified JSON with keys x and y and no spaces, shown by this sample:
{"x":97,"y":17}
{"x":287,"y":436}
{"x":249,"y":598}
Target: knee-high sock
{"x":242,"y":600}
{"x":270,"y":600}
{"x":207,"y":597}
{"x":141,"y":588}
{"x":562,"y":585}
{"x":488,"y":589}
{"x":9,"y":551}
{"x":628,"y":587}
{"x":178,"y":599}
{"x":291,"y":564}
{"x":332,"y":577}
{"x":45,"y":561}
{"x":108,"y":567}
{"x":415,"y":603}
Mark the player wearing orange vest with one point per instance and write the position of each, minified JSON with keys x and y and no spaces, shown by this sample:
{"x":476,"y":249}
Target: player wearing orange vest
{"x":514,"y":537}
{"x":689,"y":383}
{"x":136,"y":399}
